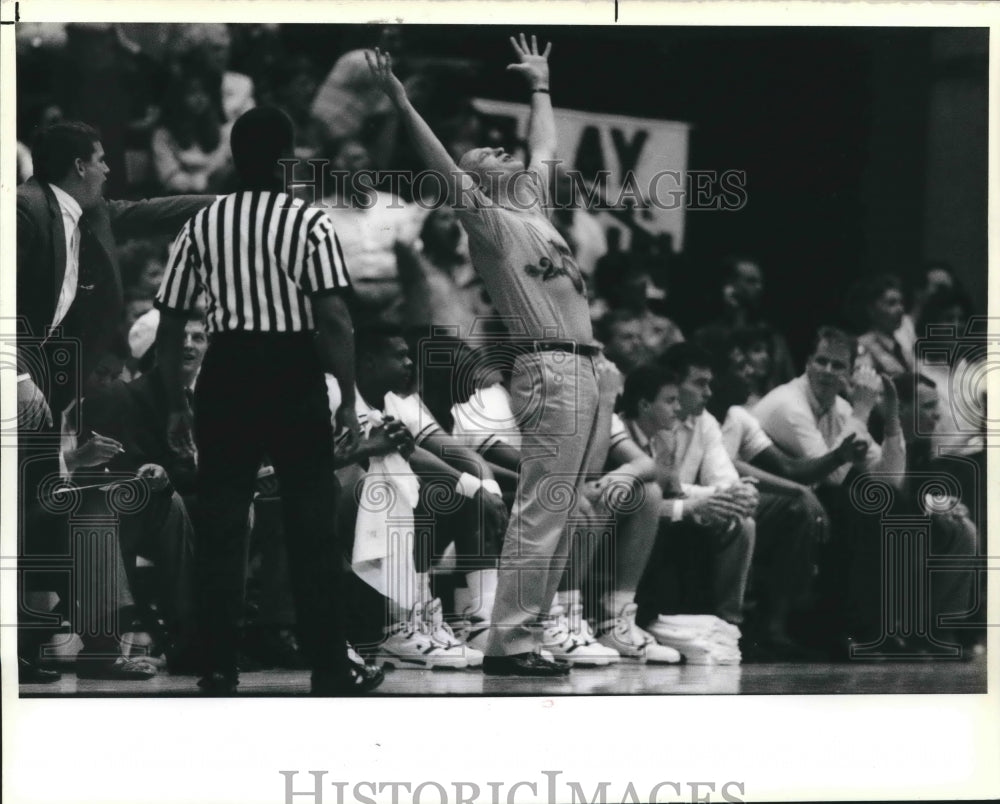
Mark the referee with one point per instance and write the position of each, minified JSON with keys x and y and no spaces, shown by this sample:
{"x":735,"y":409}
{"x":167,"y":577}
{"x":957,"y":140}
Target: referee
{"x":274,"y":280}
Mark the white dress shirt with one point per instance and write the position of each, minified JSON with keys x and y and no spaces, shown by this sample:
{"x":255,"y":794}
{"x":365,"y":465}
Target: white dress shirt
{"x":703,"y":465}
{"x":71,"y":213}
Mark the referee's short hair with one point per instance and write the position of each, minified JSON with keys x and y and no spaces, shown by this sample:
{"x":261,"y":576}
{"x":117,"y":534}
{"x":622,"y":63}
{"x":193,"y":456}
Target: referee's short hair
{"x":55,"y":148}
{"x":260,"y":137}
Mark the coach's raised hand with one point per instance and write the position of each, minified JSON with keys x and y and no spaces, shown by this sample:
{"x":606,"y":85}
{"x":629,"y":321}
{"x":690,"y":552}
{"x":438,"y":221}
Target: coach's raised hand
{"x":380,"y":63}
{"x":534,"y":66}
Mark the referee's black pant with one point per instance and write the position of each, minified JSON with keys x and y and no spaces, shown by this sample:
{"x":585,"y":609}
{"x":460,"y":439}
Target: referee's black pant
{"x":257,"y":393}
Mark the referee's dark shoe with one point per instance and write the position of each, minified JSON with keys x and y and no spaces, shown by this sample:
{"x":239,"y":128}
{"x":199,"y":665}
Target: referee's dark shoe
{"x":523,"y":664}
{"x":30,"y":673}
{"x":358,"y":677}
{"x":355,"y":680}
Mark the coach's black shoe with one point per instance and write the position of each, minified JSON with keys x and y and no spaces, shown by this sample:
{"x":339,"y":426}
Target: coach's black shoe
{"x":523,"y":664}
{"x":31,"y":673}
{"x":219,"y":684}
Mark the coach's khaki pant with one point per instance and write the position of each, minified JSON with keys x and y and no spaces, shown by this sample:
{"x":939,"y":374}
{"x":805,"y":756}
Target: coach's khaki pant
{"x":555,"y":401}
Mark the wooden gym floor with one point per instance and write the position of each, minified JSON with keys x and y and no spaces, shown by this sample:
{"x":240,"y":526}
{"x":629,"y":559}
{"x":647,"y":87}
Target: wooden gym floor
{"x":857,"y":677}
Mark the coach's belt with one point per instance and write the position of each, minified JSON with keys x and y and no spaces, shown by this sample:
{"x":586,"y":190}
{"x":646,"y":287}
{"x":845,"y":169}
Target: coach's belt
{"x":582,"y":349}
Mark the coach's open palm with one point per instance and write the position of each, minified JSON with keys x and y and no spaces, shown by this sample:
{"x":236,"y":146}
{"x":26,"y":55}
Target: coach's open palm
{"x":380,"y":63}
{"x":531,"y":64}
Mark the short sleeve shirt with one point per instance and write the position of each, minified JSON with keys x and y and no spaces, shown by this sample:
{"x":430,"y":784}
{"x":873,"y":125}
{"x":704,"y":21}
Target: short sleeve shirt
{"x":528,"y":269}
{"x":486,"y":419}
{"x":742,"y":435}
{"x":412,"y":412}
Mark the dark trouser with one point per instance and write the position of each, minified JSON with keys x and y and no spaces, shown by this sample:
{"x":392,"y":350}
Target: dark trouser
{"x":784,"y":555}
{"x":262,"y":393}
{"x":276,"y":607}
{"x":848,"y":585}
{"x":695,"y":569}
{"x":461,"y":523}
{"x":162,"y":531}
{"x":877,"y":596}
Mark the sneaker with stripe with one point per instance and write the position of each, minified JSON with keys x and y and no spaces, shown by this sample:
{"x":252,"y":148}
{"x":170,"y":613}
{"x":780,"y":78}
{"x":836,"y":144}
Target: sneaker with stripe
{"x":631,"y":642}
{"x":574,"y":646}
{"x":410,"y":645}
{"x":443,"y":635}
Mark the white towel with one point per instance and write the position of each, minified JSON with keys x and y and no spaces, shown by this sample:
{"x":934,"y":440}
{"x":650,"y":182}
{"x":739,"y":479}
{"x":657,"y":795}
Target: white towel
{"x":383,"y":532}
{"x":701,"y":638}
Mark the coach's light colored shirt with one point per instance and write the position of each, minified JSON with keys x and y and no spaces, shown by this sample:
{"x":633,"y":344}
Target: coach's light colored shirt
{"x":527,"y":268}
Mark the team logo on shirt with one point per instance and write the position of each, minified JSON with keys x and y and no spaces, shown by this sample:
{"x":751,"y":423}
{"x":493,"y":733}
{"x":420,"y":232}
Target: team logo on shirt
{"x":566,"y":266}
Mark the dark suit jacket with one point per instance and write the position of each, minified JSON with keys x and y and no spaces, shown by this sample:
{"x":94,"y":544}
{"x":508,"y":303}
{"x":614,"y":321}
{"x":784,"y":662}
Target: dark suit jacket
{"x":135,"y":414}
{"x":41,"y":261}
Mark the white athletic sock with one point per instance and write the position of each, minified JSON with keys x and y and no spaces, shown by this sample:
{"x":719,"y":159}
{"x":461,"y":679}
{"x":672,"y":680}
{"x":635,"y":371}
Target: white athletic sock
{"x":612,"y":603}
{"x":424,"y":588}
{"x":476,"y":599}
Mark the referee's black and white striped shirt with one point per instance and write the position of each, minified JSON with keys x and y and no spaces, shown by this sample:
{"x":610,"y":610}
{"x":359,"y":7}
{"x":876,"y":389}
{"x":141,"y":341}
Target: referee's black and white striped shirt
{"x":258,"y":256}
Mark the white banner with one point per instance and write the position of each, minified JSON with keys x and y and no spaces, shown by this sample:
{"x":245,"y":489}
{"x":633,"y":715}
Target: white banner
{"x":652,"y":152}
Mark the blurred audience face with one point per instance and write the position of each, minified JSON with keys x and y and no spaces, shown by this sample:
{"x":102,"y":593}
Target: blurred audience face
{"x":758,"y":360}
{"x":297,"y":95}
{"x":195,"y":346}
{"x":748,"y":284}
{"x":937,"y":278}
{"x":626,"y":347}
{"x":196,"y":100}
{"x":664,"y":410}
{"x":827,"y":370}
{"x":738,"y":363}
{"x":657,"y":329}
{"x":151,"y":277}
{"x":633,"y":290}
{"x":352,"y":157}
{"x":924,"y":414}
{"x":442,"y":232}
{"x":885,"y":314}
{"x":212,"y":41}
{"x":694,"y":391}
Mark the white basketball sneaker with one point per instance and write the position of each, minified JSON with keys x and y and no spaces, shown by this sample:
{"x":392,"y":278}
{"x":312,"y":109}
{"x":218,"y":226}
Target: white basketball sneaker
{"x":442,"y":634}
{"x":574,"y":646}
{"x":410,"y":645}
{"x":631,"y":642}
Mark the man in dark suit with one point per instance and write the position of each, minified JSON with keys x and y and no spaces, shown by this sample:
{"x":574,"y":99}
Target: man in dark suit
{"x":69,"y":301}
